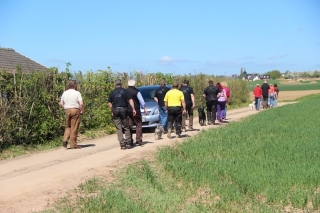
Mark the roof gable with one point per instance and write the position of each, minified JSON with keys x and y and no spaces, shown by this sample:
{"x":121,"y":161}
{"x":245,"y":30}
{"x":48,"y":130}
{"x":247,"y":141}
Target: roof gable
{"x":9,"y":59}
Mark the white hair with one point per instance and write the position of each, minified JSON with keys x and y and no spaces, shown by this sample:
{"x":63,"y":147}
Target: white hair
{"x":131,"y":83}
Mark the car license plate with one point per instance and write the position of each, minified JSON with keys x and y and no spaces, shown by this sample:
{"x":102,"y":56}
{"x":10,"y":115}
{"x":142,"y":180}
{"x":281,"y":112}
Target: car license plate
{"x":143,"y":119}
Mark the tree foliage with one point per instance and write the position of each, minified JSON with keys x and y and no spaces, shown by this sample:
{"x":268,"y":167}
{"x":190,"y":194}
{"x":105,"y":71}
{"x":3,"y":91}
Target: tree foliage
{"x":274,"y":74}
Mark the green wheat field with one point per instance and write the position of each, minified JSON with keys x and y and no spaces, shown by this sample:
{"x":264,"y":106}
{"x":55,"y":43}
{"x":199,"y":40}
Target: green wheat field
{"x":268,"y":162}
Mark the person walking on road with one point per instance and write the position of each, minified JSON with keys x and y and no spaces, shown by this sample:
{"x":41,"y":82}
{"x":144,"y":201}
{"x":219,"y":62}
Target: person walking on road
{"x":222,"y":101}
{"x":138,"y":105}
{"x":265,"y":94}
{"x":176,"y":107}
{"x":119,"y":100}
{"x":190,"y":104}
{"x":159,"y":95}
{"x":72,"y":103}
{"x":257,"y":92}
{"x":211,"y":95}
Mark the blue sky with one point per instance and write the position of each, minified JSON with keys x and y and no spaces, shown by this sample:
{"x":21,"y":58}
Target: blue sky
{"x":177,"y":36}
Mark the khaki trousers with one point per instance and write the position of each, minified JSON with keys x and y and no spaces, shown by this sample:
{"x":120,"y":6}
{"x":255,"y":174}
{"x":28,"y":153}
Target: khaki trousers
{"x":190,"y":113}
{"x":72,"y":125}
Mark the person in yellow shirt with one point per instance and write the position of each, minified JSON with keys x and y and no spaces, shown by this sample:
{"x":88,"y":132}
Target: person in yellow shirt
{"x":176,"y":106}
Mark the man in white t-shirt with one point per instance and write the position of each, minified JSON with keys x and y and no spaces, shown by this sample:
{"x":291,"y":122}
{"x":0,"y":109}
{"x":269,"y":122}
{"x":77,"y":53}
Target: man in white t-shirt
{"x":72,"y":103}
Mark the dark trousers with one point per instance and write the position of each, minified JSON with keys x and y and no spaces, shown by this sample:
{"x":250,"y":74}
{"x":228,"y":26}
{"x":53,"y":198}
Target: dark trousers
{"x":211,"y":111}
{"x":121,"y":120}
{"x":190,"y":114}
{"x":72,"y":126}
{"x":137,"y":120}
{"x":265,"y":101}
{"x":174,"y":116}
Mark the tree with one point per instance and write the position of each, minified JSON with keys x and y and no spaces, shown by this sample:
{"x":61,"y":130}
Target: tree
{"x":274,"y":74}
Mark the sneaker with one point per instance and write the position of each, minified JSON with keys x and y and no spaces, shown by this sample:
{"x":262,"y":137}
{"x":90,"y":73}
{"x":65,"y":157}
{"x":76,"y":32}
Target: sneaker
{"x":65,"y":144}
{"x":191,"y":128}
{"x":183,"y":129}
{"x":123,"y":147}
{"x":209,"y":122}
{"x":128,"y":146}
{"x":179,"y":135}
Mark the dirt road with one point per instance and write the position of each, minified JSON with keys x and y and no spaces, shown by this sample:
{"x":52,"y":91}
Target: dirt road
{"x":29,"y":183}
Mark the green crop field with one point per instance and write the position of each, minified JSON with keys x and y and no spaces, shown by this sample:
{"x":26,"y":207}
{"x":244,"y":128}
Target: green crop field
{"x":268,"y":162}
{"x":303,"y":85}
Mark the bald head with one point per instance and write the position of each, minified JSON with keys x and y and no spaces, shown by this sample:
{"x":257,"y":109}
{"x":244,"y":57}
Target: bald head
{"x":131,"y":83}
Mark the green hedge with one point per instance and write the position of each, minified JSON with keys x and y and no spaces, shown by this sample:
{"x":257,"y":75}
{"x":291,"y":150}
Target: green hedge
{"x":30,"y":111}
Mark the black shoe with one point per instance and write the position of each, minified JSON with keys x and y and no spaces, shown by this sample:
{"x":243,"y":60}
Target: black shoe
{"x":65,"y":144}
{"x":123,"y":147}
{"x":128,"y":146}
{"x":179,"y":135}
{"x":140,"y":143}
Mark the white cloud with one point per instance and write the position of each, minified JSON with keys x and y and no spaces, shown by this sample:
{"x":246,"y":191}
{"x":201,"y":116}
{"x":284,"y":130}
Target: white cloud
{"x":278,"y":56}
{"x":166,"y":60}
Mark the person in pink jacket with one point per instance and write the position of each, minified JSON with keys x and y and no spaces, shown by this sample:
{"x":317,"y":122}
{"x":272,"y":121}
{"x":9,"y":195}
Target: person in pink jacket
{"x":222,"y":100}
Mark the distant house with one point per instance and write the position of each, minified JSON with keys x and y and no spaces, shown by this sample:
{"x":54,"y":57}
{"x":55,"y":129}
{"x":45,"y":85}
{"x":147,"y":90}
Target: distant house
{"x":10,"y":59}
{"x":251,"y":77}
{"x":262,"y":77}
{"x":235,"y":76}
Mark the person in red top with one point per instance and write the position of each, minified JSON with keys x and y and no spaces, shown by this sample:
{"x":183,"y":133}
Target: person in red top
{"x":257,"y":92}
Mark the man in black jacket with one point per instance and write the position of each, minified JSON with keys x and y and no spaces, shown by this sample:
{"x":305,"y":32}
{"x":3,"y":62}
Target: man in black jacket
{"x":119,"y":101}
{"x":211,"y":94}
{"x":138,"y":105}
{"x":190,"y":104}
{"x":265,"y":93}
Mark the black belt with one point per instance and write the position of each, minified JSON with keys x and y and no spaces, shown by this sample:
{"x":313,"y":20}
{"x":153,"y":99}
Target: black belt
{"x":121,"y":107}
{"x":174,"y":106}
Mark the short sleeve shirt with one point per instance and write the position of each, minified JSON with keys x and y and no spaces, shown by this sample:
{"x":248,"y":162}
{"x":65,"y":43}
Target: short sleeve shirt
{"x":160,"y":93}
{"x":71,"y":98}
{"x":187,"y":91}
{"x":211,"y":93}
{"x":174,"y":98}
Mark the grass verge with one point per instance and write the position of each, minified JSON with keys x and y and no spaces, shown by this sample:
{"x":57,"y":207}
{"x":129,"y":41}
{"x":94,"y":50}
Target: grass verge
{"x":266,"y":163}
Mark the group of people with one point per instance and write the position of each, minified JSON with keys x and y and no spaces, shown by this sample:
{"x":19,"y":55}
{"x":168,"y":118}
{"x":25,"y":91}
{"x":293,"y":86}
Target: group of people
{"x":267,"y":93}
{"x":125,"y":105}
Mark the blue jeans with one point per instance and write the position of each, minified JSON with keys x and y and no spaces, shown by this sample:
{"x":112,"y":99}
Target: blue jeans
{"x":163,"y":117}
{"x":257,"y":103}
{"x":271,"y":100}
{"x":225,"y":112}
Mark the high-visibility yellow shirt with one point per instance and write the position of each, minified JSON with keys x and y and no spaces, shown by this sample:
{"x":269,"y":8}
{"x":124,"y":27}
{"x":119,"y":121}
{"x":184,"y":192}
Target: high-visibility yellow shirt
{"x":174,"y":97}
